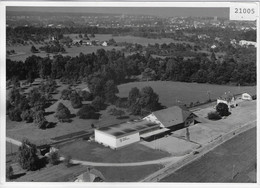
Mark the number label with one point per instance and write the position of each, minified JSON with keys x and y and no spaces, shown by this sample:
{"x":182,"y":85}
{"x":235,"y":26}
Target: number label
{"x":245,"y":11}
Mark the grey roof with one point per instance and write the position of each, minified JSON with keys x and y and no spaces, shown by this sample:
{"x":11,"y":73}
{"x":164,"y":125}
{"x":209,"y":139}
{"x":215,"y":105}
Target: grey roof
{"x":172,"y":116}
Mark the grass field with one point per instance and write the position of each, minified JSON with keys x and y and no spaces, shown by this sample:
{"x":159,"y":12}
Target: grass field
{"x":170,"y":92}
{"x":91,"y":151}
{"x":233,"y":161}
{"x":127,"y":174}
{"x":130,"y":39}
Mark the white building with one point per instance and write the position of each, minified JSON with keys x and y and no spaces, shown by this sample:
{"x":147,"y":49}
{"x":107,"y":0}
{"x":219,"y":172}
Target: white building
{"x":227,"y":98}
{"x":246,"y":96}
{"x":120,"y":135}
{"x":247,"y":43}
{"x":104,"y":43}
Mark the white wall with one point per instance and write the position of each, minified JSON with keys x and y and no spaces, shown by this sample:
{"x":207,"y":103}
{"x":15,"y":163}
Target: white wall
{"x":126,"y":140}
{"x":105,"y":139}
{"x":153,"y":119}
{"x":113,"y":142}
{"x":221,"y":101}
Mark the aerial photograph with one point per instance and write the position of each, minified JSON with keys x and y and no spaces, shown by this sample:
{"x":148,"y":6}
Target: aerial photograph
{"x":130,"y":94}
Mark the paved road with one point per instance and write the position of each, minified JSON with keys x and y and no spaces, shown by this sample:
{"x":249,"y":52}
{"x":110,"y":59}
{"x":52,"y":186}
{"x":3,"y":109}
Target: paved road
{"x":233,"y":161}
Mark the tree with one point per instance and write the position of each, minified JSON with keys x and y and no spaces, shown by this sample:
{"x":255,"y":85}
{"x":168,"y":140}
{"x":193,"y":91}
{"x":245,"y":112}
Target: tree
{"x":27,"y":155}
{"x":85,"y":95}
{"x":62,"y":113}
{"x":149,"y":100}
{"x":65,"y":94}
{"x":222,"y":109}
{"x":117,"y":112}
{"x":110,"y":91}
{"x":75,"y":100}
{"x":87,"y":112}
{"x":133,"y":95}
{"x":9,"y":172}
{"x":39,"y":119}
{"x":15,"y":114}
{"x":98,"y":103}
{"x":27,"y":116}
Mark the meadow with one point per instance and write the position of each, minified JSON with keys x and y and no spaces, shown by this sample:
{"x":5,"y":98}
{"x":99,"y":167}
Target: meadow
{"x":174,"y":93}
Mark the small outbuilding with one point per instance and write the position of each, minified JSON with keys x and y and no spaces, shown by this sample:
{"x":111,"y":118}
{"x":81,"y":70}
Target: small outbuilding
{"x":246,"y":96}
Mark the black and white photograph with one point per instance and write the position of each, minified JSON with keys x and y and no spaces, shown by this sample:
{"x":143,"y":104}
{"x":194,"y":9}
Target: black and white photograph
{"x":164,"y":94}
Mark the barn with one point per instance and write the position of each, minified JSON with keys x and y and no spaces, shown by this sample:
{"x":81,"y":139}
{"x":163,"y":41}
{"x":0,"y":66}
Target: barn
{"x":120,"y":135}
{"x":172,"y":118}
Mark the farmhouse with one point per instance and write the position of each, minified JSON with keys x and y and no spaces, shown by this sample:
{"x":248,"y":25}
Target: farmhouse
{"x":172,"y":118}
{"x":247,"y":96}
{"x":119,"y":135}
{"x":227,"y":98}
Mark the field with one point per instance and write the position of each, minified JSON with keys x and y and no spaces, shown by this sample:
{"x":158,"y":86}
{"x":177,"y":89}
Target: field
{"x":91,"y":151}
{"x":22,"y":52}
{"x":130,"y":39}
{"x":174,"y":93}
{"x":233,"y":161}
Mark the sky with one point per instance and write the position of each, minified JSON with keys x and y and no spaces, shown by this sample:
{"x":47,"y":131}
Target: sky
{"x":156,"y":11}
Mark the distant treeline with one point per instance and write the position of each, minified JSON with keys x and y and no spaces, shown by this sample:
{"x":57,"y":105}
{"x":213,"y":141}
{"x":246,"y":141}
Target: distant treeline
{"x":114,"y":65}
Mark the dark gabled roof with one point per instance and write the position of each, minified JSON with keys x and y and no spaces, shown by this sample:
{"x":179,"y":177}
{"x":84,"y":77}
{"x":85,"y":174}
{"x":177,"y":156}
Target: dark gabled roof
{"x":172,"y":116}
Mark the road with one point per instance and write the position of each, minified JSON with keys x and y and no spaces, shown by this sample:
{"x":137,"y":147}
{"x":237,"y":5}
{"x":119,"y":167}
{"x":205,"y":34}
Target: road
{"x":233,"y":161}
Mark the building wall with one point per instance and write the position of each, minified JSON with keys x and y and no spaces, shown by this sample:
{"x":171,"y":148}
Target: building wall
{"x":126,"y":140}
{"x":105,"y":139}
{"x":114,"y":142}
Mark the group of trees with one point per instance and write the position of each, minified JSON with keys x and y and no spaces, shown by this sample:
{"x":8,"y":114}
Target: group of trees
{"x":30,"y":107}
{"x":143,"y":102}
{"x":113,"y":65}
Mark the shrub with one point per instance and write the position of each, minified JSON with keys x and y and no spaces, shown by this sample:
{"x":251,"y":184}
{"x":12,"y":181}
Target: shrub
{"x":9,"y":172}
{"x":54,"y":158}
{"x":214,"y":116}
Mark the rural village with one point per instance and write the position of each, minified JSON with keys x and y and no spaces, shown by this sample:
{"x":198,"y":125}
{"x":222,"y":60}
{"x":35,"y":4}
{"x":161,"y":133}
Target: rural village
{"x":129,"y":98}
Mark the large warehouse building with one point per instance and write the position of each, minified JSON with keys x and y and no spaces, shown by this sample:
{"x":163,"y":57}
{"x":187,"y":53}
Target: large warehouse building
{"x":119,"y":135}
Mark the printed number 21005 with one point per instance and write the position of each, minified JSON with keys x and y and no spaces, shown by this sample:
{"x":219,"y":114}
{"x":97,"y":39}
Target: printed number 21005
{"x":244,"y":10}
